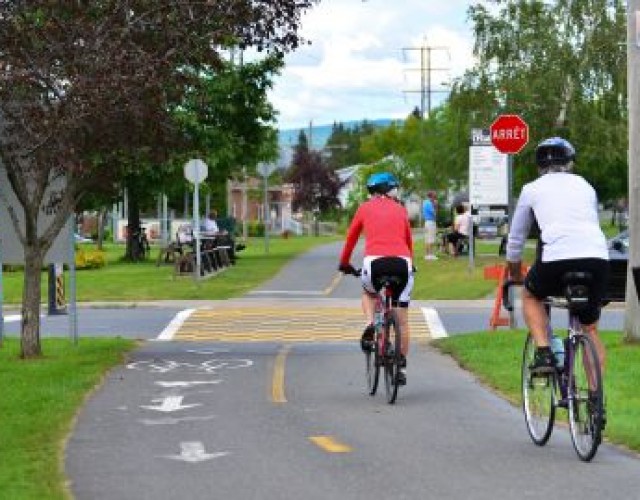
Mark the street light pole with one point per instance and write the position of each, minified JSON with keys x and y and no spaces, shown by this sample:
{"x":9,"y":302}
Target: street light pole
{"x":632,"y":310}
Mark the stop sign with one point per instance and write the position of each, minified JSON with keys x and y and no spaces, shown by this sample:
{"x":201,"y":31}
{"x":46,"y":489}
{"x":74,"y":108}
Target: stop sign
{"x":509,"y":134}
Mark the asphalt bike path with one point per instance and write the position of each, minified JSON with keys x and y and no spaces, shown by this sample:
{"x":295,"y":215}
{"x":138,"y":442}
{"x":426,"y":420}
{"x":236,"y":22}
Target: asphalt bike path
{"x":213,"y":411}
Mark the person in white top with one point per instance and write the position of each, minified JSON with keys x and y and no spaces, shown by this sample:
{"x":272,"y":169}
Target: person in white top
{"x":565,"y":208}
{"x":460,"y":229}
{"x":209,"y":225}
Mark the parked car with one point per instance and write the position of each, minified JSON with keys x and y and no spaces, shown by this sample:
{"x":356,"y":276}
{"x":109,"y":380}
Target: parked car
{"x":488,"y":227}
{"x":81,"y":239}
{"x":618,"y":260}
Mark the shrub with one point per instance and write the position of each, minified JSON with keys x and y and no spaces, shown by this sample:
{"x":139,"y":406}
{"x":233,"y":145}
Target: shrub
{"x":255,"y":228}
{"x":90,"y":259}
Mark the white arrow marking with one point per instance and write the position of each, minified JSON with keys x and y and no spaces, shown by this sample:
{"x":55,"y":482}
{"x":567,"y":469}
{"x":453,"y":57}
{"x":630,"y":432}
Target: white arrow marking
{"x":169,"y":403}
{"x":173,"y":420}
{"x":193,"y":451}
{"x":192,"y":383}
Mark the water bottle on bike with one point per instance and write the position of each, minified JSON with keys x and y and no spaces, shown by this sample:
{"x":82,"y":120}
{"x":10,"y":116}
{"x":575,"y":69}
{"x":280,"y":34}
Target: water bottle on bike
{"x":557,"y":347}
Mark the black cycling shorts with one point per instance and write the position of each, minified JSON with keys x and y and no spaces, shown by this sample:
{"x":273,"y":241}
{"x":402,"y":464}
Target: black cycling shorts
{"x":391,"y":266}
{"x":544,"y":279}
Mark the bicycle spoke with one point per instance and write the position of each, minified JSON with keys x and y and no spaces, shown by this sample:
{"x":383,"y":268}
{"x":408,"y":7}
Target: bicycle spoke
{"x":372,"y":369}
{"x":538,"y":398}
{"x":585,"y":398}
{"x":392,"y":357}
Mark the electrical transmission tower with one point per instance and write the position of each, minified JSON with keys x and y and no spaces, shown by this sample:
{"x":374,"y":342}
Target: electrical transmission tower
{"x":426,"y":69}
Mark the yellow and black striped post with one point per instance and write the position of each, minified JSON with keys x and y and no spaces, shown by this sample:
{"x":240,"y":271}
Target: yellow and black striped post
{"x":57,"y":303}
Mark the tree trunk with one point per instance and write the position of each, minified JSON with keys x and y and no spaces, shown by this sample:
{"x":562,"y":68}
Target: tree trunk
{"x":30,"y":328}
{"x":133,"y":223}
{"x":632,"y":311}
{"x":100,"y":222}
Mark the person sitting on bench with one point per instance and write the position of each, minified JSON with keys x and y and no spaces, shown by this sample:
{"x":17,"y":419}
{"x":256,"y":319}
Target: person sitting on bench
{"x":460,"y":231}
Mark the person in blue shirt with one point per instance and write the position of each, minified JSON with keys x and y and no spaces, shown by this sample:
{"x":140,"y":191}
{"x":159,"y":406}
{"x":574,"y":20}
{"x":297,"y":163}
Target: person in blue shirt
{"x":429,"y":210}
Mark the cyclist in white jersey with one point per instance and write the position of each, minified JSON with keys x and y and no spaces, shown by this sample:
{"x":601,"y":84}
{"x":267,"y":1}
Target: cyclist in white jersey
{"x":565,"y":208}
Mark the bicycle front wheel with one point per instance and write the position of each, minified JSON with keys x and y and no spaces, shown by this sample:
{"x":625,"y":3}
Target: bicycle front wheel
{"x":392,"y":356}
{"x":538,"y":397}
{"x":372,"y":364}
{"x":585,"y":397}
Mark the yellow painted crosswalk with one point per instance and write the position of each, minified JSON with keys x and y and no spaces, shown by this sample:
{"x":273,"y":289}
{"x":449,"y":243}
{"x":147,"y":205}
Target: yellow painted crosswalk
{"x":281,"y":324}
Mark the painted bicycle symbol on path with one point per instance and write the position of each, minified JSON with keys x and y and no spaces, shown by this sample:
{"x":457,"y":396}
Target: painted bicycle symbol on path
{"x":209,"y":366}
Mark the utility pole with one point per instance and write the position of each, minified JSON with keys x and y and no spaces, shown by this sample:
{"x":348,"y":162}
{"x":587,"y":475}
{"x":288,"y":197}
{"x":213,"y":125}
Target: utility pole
{"x":426,"y":70}
{"x":632,"y":310}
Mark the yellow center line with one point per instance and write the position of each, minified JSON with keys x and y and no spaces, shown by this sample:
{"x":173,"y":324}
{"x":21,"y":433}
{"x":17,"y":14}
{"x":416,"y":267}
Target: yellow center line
{"x":329,"y":444}
{"x":333,"y":285}
{"x":277,"y":380}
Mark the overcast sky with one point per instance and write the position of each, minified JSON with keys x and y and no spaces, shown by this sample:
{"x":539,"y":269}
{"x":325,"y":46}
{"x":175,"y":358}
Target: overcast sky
{"x":359,"y":64}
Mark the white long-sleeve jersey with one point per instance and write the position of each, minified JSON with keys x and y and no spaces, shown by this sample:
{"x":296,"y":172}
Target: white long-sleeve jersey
{"x":565,"y":207}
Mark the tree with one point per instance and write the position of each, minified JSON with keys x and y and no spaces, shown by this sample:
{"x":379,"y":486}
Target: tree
{"x":316,"y":186}
{"x":85,"y":84}
{"x":566,"y":79}
{"x":343,"y":145}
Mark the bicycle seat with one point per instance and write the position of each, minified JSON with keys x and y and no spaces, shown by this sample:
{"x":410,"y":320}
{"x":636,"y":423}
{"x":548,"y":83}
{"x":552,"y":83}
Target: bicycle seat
{"x":576,"y":288}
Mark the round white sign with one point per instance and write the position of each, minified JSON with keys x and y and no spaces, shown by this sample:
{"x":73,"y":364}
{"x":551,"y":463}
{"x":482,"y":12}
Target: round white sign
{"x":195,"y":171}
{"x":265,"y":169}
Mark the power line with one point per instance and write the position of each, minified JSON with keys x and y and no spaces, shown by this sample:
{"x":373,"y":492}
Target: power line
{"x":426,"y":70}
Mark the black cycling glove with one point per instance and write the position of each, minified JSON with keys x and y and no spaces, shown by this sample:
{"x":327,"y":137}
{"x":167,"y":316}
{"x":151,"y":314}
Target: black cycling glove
{"x":346,"y":269}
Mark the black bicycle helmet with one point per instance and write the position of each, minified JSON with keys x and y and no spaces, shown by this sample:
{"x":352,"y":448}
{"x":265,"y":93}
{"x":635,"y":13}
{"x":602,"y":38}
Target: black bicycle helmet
{"x":554,"y":151}
{"x":382,"y":183}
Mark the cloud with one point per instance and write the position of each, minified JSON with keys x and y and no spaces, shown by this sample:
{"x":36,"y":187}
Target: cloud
{"x":365,"y":57}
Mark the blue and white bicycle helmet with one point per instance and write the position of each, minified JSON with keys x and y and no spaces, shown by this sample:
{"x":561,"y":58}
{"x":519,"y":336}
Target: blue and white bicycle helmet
{"x":555,"y":152}
{"x":382,"y":183}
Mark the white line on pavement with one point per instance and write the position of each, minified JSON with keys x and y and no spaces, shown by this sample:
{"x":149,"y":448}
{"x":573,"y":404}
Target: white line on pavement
{"x":432,"y":318}
{"x":174,"y":326}
{"x":12,"y":318}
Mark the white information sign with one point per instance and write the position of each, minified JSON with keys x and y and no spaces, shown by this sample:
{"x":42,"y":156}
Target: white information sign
{"x":488,"y":176}
{"x":12,"y":251}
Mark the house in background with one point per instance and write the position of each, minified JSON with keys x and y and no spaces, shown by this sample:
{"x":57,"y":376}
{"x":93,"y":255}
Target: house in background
{"x":348,"y":180}
{"x":245,"y":203}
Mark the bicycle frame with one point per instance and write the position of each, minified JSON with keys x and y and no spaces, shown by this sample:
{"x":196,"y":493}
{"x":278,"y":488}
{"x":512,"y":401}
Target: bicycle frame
{"x":381,"y":315}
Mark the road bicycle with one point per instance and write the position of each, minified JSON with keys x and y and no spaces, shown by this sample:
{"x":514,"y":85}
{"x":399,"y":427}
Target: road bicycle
{"x":385,"y":352}
{"x":576,"y":382}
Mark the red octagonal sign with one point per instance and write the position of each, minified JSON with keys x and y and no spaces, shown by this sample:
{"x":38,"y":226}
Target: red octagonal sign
{"x":509,"y":134}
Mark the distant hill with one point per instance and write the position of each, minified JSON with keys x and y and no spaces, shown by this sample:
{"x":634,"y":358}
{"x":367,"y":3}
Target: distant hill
{"x":320,"y":133}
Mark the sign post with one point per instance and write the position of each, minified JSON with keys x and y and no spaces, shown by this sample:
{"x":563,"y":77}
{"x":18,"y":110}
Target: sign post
{"x":509,"y":135}
{"x":195,"y":172}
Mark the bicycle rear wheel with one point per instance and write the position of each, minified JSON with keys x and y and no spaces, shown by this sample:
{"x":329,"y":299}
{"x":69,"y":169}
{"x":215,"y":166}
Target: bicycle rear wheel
{"x":538,"y":397}
{"x":586,"y":401}
{"x":372,"y":364}
{"x":392,"y":356}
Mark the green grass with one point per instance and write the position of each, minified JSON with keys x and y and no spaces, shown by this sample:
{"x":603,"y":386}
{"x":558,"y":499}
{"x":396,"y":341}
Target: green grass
{"x":454,"y":278}
{"x":446,"y":278}
{"x":39,"y":401}
{"x":495,"y":358}
{"x":126,"y":281}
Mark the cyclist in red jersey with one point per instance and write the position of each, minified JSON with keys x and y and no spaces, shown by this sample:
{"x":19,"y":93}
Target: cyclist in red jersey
{"x":388,"y":252}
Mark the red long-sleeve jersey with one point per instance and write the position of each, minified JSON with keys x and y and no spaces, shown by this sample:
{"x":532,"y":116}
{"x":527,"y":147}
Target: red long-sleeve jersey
{"x":385,"y":225}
